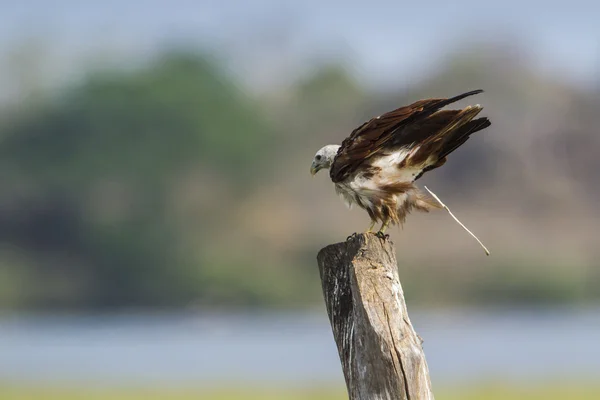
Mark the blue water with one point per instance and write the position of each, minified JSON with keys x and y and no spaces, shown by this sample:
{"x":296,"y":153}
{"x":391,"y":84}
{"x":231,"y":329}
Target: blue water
{"x":288,"y":348}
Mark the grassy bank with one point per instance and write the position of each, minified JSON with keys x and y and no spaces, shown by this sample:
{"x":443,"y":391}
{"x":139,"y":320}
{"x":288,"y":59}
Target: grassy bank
{"x":571,"y":391}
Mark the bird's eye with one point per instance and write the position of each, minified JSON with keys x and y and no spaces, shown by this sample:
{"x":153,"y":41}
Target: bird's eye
{"x":318,"y":158}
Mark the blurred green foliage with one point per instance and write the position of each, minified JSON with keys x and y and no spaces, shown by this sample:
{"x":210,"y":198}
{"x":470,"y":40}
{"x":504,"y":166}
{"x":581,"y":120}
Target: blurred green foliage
{"x":87,"y":175}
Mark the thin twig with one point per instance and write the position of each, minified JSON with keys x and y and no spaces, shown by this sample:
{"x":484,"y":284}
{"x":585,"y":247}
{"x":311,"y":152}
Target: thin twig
{"x":487,"y":252}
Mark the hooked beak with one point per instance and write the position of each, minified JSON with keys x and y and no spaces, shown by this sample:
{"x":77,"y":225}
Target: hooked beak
{"x":314,"y":169}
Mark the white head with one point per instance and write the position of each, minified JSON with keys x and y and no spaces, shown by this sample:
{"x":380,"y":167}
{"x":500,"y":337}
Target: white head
{"x":324,"y":158}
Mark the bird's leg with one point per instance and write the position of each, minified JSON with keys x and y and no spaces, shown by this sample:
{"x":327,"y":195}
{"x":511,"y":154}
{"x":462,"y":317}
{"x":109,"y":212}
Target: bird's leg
{"x":384,"y":226}
{"x":371,"y":226}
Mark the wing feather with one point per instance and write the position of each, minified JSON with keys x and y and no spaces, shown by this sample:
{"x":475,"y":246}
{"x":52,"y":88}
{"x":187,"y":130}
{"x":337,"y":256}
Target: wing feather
{"x":415,"y":127}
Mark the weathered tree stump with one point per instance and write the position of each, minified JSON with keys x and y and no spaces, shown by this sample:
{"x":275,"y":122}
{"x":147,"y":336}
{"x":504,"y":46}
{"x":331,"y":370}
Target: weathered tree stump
{"x":381,"y":354}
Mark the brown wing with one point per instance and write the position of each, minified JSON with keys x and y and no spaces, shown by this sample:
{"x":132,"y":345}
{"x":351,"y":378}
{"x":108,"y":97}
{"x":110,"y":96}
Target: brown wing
{"x":431,"y":153}
{"x":418,"y":123}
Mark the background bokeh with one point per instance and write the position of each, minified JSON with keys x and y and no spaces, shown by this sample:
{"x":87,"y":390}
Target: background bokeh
{"x":159,"y":225}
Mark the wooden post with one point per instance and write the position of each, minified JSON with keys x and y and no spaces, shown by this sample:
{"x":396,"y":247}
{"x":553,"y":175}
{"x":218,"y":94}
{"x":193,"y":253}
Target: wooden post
{"x":381,"y":354}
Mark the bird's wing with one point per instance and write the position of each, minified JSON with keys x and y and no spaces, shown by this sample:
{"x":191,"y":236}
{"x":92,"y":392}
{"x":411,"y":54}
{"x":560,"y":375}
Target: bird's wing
{"x":416,"y":128}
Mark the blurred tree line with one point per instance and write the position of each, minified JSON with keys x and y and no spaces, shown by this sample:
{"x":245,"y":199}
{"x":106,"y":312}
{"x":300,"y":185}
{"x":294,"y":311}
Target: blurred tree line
{"x":87,"y":176}
{"x":124,"y":189}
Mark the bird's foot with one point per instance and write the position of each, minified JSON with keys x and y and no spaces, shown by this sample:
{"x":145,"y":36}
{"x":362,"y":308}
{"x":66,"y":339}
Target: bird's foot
{"x":382,"y":235}
{"x":352,"y":236}
{"x":384,"y":226}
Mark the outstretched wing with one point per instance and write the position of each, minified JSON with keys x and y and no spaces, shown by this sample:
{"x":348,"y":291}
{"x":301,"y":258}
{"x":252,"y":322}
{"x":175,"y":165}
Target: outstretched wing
{"x":420,"y":130}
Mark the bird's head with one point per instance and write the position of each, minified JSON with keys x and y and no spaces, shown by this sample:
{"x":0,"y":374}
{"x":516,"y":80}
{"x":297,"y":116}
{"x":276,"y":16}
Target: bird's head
{"x":324,"y":158}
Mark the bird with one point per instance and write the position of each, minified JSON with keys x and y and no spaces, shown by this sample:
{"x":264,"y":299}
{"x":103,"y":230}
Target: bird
{"x":377,"y":165}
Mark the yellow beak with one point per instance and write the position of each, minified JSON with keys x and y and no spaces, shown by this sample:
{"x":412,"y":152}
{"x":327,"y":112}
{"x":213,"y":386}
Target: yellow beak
{"x":314,"y":169}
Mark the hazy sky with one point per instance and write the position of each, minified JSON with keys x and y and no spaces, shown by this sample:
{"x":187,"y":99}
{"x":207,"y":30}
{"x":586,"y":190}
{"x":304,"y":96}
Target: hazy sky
{"x":384,"y":40}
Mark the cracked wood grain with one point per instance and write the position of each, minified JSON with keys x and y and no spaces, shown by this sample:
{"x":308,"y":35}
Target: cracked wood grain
{"x":381,"y":354}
